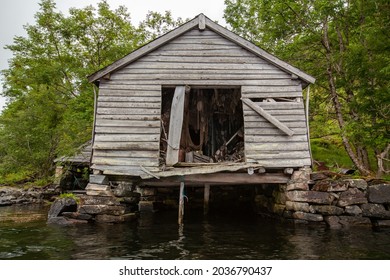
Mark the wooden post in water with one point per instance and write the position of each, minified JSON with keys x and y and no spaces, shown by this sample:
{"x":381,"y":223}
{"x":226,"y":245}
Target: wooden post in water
{"x":181,"y":204}
{"x":206,"y":199}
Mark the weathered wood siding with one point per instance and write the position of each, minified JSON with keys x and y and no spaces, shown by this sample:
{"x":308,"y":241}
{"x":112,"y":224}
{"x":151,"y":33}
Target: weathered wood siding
{"x":129,"y":104}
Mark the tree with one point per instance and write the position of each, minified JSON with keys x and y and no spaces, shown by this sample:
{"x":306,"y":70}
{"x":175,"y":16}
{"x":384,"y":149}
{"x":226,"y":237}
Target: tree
{"x":51,"y":102}
{"x":345,"y":45}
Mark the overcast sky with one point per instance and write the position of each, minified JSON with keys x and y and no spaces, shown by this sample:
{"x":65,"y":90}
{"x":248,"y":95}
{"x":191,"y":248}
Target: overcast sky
{"x":16,"y":13}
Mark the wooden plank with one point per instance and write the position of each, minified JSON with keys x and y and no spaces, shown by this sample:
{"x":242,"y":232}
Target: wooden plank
{"x":129,"y":146}
{"x":144,"y":89}
{"x":259,"y":123}
{"x":113,"y":98}
{"x":199,"y":70}
{"x":125,"y":161}
{"x":124,"y":104}
{"x":281,"y":105}
{"x":273,"y":131}
{"x":181,"y":204}
{"x":200,"y":59}
{"x":106,"y":90}
{"x":129,"y":111}
{"x":126,"y":138}
{"x":122,"y":170}
{"x":127,"y":130}
{"x":274,"y":138}
{"x":276,"y":155}
{"x":254,"y":117}
{"x":119,"y":154}
{"x":126,"y":123}
{"x":201,"y":26}
{"x":204,"y":53}
{"x":141,"y":66}
{"x":268,"y":117}
{"x":206,"y":199}
{"x":200,"y":76}
{"x":175,"y":125}
{"x":282,"y":163}
{"x":131,"y":117}
{"x":285,"y":146}
{"x":293,"y":94}
{"x":282,"y":111}
{"x":260,"y":89}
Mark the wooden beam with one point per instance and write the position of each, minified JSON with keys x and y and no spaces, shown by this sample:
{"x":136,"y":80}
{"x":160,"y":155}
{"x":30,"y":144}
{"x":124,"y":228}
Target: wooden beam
{"x":175,"y":126}
{"x":202,"y":22}
{"x":219,"y":179}
{"x":267,"y":116}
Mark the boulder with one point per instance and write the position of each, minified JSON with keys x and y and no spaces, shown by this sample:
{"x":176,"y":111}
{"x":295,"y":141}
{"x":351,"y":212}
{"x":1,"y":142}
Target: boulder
{"x":308,"y":217}
{"x":63,"y":221}
{"x":98,"y":190}
{"x":62,"y":205}
{"x":98,"y":200}
{"x":77,"y":216}
{"x":352,"y":196}
{"x":298,"y":186}
{"x":278,"y":209}
{"x":353,"y":210}
{"x":375,"y":211}
{"x":123,"y":190}
{"x":382,"y":223}
{"x":317,"y":176}
{"x":98,"y":179}
{"x":279,"y":197}
{"x":310,"y":196}
{"x":328,"y":210}
{"x":379,"y":193}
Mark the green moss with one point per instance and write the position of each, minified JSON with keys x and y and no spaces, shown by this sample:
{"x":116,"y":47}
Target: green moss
{"x":69,"y":195}
{"x":330,"y":151}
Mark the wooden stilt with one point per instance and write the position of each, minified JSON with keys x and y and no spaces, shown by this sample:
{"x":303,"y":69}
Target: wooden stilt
{"x":206,"y":199}
{"x":181,"y":204}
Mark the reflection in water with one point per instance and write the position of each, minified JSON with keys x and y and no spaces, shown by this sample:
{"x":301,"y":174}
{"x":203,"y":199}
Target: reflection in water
{"x":157,"y":236}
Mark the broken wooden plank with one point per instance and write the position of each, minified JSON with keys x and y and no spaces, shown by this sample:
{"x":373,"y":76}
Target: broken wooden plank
{"x":267,"y":116}
{"x":175,"y":126}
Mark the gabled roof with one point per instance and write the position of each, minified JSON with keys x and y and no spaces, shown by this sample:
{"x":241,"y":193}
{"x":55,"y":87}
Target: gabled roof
{"x":202,"y":22}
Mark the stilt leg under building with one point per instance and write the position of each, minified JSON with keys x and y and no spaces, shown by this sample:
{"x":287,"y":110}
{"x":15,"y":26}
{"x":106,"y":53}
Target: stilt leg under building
{"x":181,"y":204}
{"x":206,"y":199}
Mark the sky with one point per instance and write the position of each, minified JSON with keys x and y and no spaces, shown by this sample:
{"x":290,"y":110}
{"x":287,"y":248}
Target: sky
{"x":14,"y":14}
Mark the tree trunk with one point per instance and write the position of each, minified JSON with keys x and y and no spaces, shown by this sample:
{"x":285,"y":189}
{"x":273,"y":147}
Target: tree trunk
{"x":337,"y":105}
{"x":381,"y":156}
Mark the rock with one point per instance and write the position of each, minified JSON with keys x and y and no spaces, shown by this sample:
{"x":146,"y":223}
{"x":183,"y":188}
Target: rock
{"x":5,"y":202}
{"x":98,"y":200}
{"x":333,"y":222}
{"x":298,"y":206}
{"x":130,"y":199}
{"x":348,"y":221}
{"x":279,"y":197}
{"x":115,"y":219}
{"x":310,"y":196}
{"x":123,"y":190}
{"x":63,"y":221}
{"x":297,"y":186}
{"x":98,"y":179}
{"x":102,"y":209}
{"x":352,"y":196}
{"x":98,"y":190}
{"x":353,"y":210}
{"x":330,"y":186}
{"x":308,"y":217}
{"x":77,"y":216}
{"x":379,"y":193}
{"x":375,"y":211}
{"x":62,"y":205}
{"x":316,"y":176}
{"x":382,"y":223}
{"x":278,"y":209}
{"x":356,"y":183}
{"x":328,"y":210}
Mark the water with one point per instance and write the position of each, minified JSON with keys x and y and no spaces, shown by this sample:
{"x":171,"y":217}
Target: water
{"x":25,"y":235}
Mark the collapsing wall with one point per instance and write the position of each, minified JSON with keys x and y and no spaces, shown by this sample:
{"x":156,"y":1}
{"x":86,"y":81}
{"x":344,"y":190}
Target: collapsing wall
{"x":212,"y":129}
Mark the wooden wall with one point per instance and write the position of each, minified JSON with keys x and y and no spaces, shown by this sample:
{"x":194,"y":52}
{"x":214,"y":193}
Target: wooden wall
{"x":129,"y":104}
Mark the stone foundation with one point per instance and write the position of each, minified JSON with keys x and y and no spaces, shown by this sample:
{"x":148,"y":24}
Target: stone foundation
{"x":336,"y":202}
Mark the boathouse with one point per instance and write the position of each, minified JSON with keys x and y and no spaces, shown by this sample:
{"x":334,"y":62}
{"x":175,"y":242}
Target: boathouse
{"x":200,"y":105}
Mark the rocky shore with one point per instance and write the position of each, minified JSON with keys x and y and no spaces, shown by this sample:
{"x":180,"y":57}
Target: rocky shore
{"x":32,"y":195}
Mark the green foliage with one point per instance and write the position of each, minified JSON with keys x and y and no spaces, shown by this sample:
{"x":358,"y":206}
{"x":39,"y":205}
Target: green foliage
{"x":70,"y":195}
{"x":330,"y":151}
{"x":50,"y":113}
{"x":345,"y":45}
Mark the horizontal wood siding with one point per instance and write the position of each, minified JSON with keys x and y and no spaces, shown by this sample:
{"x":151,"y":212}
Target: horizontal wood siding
{"x":266,"y":144}
{"x":128,"y":115}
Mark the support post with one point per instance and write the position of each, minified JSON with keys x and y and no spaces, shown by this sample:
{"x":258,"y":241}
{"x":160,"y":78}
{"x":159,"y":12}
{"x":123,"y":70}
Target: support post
{"x":181,"y":204}
{"x":206,"y":199}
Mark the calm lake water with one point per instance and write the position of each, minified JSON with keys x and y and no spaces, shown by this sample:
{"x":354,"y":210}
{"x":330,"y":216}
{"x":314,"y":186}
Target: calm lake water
{"x":25,"y":235}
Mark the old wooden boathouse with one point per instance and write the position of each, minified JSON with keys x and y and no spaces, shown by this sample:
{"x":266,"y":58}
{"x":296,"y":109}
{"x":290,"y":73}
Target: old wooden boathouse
{"x":200,"y":106}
